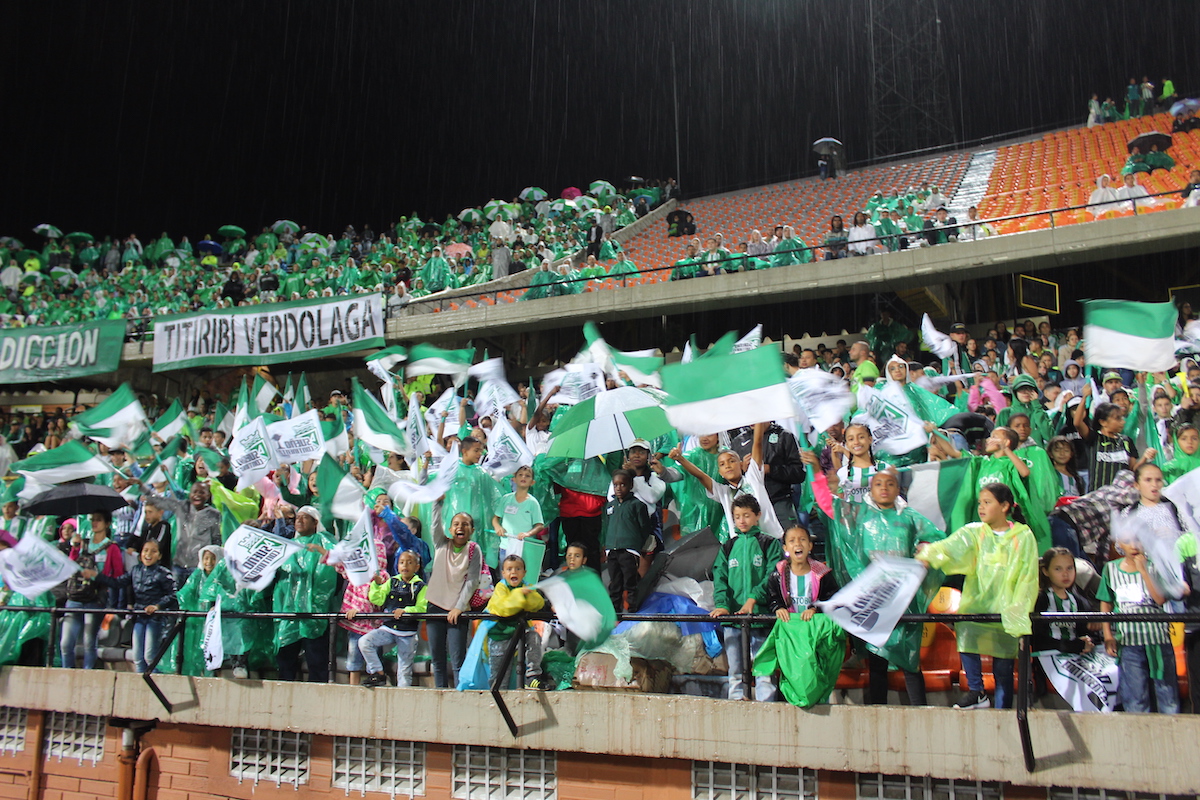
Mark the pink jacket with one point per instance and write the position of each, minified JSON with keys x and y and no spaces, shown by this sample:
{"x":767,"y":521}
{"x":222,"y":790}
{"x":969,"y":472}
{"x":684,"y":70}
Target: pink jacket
{"x":994,"y":397}
{"x":355,"y":597}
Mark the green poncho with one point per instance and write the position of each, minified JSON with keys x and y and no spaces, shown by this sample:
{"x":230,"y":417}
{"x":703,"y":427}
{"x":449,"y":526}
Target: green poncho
{"x":18,"y":627}
{"x":1041,"y":430}
{"x":860,"y":531}
{"x":697,"y":510}
{"x":625,"y":267}
{"x":435,"y":274}
{"x":1181,"y":464}
{"x":1035,"y":495}
{"x":884,"y":336}
{"x":807,"y":655}
{"x":476,"y":493}
{"x":1001,"y":570}
{"x":541,"y":285}
{"x":303,"y":584}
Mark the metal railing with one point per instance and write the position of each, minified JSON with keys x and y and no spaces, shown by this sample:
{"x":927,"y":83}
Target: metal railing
{"x":515,"y":647}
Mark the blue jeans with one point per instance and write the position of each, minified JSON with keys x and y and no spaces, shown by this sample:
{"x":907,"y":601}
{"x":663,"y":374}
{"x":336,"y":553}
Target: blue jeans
{"x":1133,"y":669}
{"x":354,"y":656}
{"x":1063,"y":534}
{"x":764,"y":686}
{"x":373,"y":644}
{"x":147,"y":634}
{"x":71,"y":625}
{"x":446,"y":641}
{"x":1002,"y":671}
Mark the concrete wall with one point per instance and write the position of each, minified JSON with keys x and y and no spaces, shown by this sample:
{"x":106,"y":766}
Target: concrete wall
{"x":1123,"y":751}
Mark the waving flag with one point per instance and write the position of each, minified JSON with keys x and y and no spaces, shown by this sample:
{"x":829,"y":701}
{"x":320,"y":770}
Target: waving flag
{"x":117,"y":421}
{"x":724,"y":392}
{"x":1125,"y":335}
{"x":356,"y":553}
{"x":582,"y":604}
{"x":174,"y":420}
{"x":69,"y":461}
{"x":372,"y":423}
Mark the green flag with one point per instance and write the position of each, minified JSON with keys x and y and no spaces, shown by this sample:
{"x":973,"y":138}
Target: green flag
{"x":372,"y":423}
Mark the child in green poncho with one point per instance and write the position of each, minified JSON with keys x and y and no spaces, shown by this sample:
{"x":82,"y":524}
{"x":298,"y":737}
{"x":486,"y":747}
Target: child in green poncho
{"x":882,"y":524}
{"x":1187,"y":442}
{"x":741,"y":567}
{"x":999,"y":558}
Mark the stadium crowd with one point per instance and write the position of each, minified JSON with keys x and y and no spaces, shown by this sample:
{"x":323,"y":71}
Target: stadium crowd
{"x":1052,"y":472}
{"x":77,"y":277}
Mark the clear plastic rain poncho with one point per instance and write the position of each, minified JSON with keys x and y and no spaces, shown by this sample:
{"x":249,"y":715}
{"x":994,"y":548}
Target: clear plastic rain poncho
{"x":303,"y":584}
{"x":1001,"y":572}
{"x":858,"y":533}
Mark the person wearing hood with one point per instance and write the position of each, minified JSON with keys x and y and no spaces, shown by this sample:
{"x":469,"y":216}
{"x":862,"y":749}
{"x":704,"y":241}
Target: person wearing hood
{"x":1073,"y":378}
{"x":881,"y":525}
{"x":304,"y":583}
{"x":436,"y":272}
{"x":1025,"y":401}
{"x":1103,"y":199}
{"x":1133,"y":196}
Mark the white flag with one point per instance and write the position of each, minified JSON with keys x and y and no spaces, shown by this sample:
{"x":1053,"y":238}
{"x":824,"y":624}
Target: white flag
{"x":576,"y":382}
{"x":415,"y":433}
{"x":494,"y":397}
{"x":895,"y":427}
{"x":1087,"y":681}
{"x":211,"y":642}
{"x":250,"y":453}
{"x":506,"y":450}
{"x":296,"y":439}
{"x":824,"y":399}
{"x":356,"y":553}
{"x":34,"y":566}
{"x":253,"y":555}
{"x":750,"y":341}
{"x":870,"y":605}
{"x":403,"y":492}
{"x":448,"y":404}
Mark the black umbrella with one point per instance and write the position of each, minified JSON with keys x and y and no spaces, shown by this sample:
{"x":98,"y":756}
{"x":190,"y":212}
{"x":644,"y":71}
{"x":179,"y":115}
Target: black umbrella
{"x":73,"y":499}
{"x":1143,"y":141}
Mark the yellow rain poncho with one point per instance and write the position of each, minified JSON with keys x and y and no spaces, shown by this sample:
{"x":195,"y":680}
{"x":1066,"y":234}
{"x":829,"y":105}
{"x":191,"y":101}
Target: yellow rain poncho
{"x":1002,"y":578}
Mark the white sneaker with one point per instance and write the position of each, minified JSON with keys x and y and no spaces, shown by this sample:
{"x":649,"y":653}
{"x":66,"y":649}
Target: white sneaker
{"x":240,"y":673}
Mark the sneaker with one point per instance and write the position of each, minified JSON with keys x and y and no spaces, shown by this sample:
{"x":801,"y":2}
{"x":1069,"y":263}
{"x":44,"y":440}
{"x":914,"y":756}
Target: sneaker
{"x":240,"y":673}
{"x":971,"y":699}
{"x":534,"y":683}
{"x":374,"y":680}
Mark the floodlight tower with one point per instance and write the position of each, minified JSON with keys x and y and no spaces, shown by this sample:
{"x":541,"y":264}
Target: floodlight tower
{"x":910,"y":100}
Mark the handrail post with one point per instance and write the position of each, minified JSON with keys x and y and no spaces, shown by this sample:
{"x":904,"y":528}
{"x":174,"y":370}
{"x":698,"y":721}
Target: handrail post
{"x":1023,"y":657}
{"x":54,"y":637}
{"x":332,"y":652}
{"x":747,"y":657}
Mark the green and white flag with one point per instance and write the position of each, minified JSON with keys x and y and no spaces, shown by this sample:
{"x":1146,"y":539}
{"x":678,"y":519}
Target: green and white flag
{"x":386,"y":360}
{"x":356,"y":553}
{"x":223,"y":419}
{"x":582,"y":604}
{"x":263,"y":393}
{"x":303,"y":396}
{"x":426,"y":359}
{"x":724,"y":392}
{"x":870,"y":605}
{"x":416,"y":434}
{"x":289,"y":392}
{"x":253,"y":555}
{"x":339,"y":494}
{"x":250,"y":453}
{"x":34,"y":566}
{"x":372,"y":423}
{"x":895,"y":426}
{"x":162,"y":468}
{"x":750,"y":341}
{"x":641,"y":367}
{"x":211,"y":642}
{"x":932,"y":488}
{"x":118,"y":421}
{"x":174,"y":420}
{"x":69,"y":461}
{"x":506,"y":450}
{"x":298,"y":439}
{"x":337,"y":440}
{"x":242,"y":412}
{"x":1124,"y":335}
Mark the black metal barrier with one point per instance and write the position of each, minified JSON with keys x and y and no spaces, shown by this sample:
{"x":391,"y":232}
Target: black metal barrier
{"x":515,"y":647}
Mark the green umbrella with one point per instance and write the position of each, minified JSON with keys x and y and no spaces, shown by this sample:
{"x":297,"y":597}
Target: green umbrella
{"x":601,"y":188}
{"x":493,"y":208}
{"x":564,"y":205}
{"x":586,"y":202}
{"x":471,"y":215}
{"x":231,"y":231}
{"x":607,"y":422}
{"x":11,"y":241}
{"x":533,"y":194}
{"x":314,"y":241}
{"x":285,"y":226}
{"x":80,"y":236}
{"x":48,"y":230}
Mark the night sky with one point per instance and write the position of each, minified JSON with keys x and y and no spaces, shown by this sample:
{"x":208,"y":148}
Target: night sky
{"x":183,"y":116}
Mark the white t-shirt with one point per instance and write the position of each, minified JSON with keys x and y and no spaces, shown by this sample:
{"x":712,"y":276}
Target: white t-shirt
{"x":752,"y":484}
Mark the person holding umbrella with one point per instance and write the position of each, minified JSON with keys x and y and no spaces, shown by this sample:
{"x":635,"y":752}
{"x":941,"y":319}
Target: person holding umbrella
{"x":96,"y":555}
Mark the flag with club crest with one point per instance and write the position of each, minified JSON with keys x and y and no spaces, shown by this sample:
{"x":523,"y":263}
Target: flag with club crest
{"x":356,"y":553}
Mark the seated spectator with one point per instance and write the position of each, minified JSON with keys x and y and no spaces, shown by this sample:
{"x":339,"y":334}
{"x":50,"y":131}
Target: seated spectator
{"x":941,"y":229}
{"x":1103,"y":199}
{"x":1133,"y":196}
{"x":836,"y":242}
{"x":974,"y":229}
{"x":1136,"y":162}
{"x":862,"y":238}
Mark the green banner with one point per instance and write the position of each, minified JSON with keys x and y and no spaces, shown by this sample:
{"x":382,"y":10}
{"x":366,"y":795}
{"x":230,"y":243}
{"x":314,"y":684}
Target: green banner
{"x":36,"y":355}
{"x":271,"y":333}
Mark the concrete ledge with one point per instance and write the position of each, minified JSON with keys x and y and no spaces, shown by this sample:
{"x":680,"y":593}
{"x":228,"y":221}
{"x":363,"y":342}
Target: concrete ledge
{"x":1142,"y":752}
